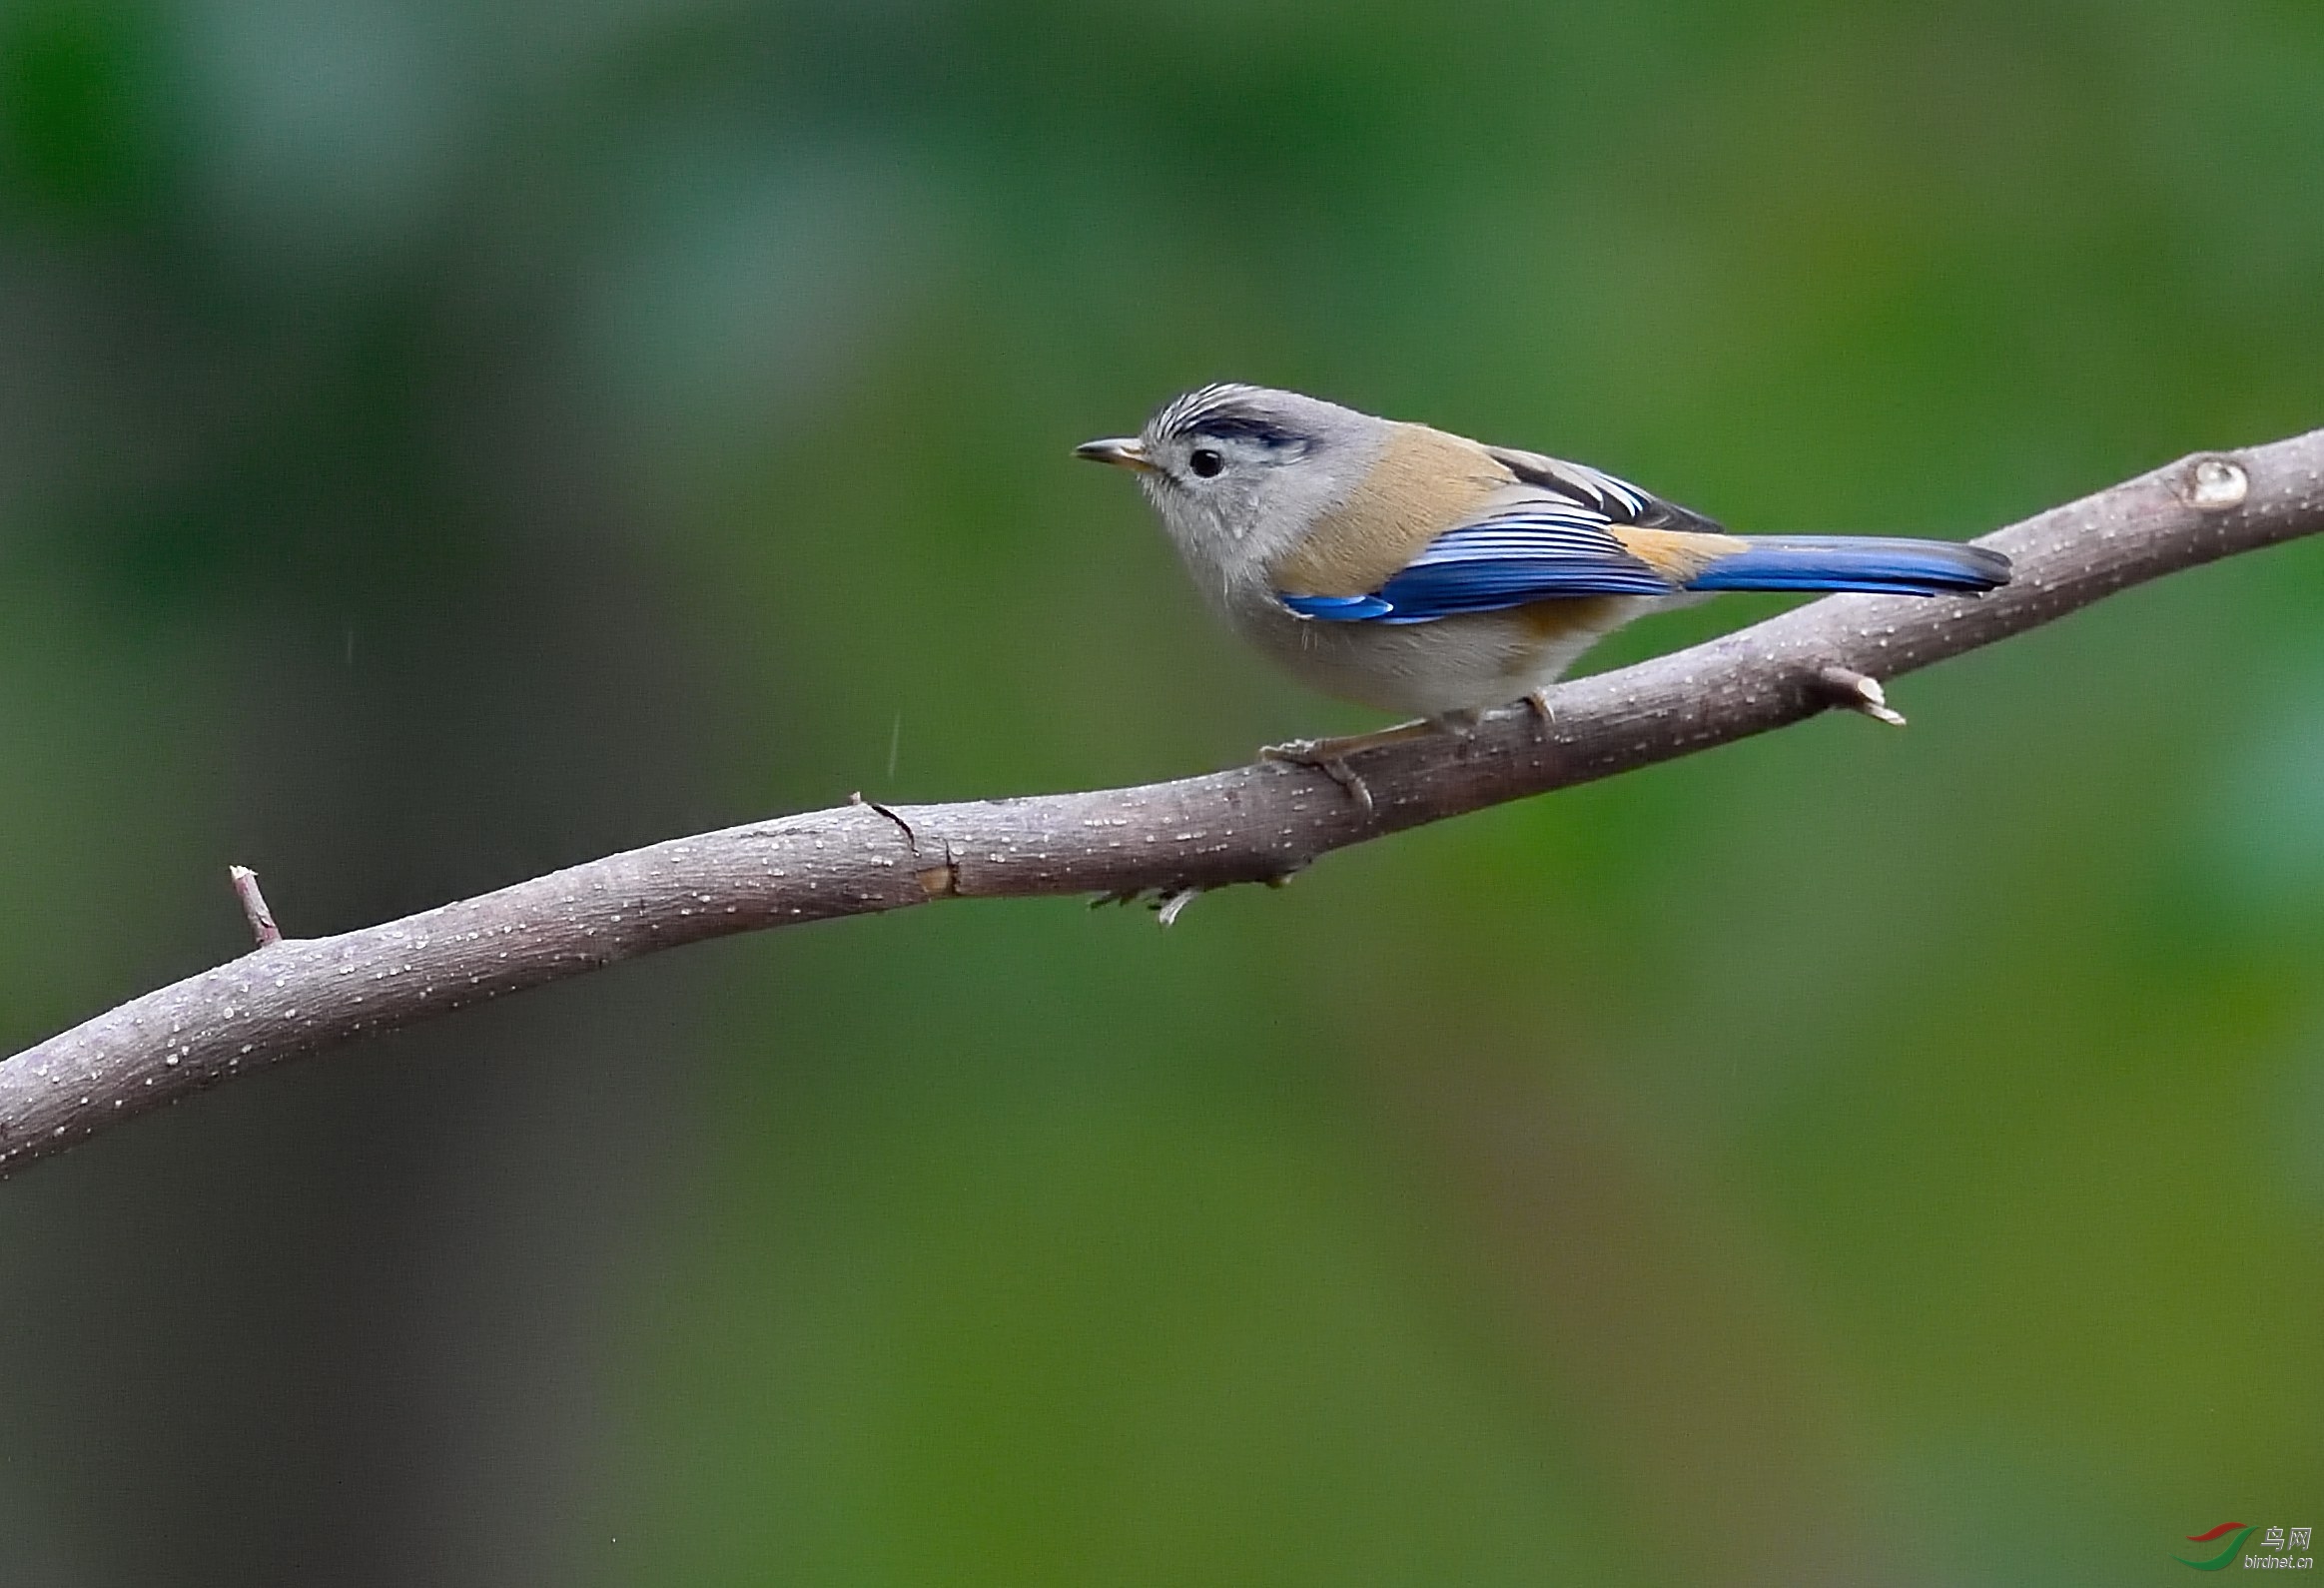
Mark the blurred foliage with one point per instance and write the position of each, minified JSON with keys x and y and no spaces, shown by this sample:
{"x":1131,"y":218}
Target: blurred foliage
{"x":441,"y":442}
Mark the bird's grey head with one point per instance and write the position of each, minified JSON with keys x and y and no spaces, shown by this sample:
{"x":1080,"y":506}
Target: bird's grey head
{"x":1238,"y":469}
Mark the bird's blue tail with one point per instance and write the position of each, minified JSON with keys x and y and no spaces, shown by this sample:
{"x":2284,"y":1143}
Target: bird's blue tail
{"x":1854,"y":562}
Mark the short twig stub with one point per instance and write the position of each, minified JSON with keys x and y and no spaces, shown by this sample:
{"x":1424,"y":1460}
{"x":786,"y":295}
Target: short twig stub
{"x":254,"y":906}
{"x":1845,"y":686}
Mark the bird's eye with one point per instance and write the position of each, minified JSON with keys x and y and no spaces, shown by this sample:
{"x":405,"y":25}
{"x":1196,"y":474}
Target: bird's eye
{"x":1206,"y":461}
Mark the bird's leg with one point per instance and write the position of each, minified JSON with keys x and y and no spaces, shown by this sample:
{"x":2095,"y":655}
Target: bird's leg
{"x":1313,"y":752}
{"x":1329,"y":756}
{"x":1537,"y":703}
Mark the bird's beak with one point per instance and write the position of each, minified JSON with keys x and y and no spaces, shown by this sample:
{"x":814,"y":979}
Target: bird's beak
{"x":1122,"y":452}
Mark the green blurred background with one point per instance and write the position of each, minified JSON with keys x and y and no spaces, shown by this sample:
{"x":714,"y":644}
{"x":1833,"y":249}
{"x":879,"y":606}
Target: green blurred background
{"x":441,"y":442}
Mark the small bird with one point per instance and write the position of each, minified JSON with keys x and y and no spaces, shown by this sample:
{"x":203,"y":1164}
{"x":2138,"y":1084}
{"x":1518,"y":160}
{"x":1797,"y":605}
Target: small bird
{"x":1422,"y":572}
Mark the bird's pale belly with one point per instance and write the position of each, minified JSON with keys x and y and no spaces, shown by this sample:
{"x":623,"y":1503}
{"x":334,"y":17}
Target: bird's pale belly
{"x":1455,"y":664}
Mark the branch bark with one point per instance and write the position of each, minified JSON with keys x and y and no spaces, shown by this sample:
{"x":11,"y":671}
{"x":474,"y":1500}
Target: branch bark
{"x":1255,"y":823}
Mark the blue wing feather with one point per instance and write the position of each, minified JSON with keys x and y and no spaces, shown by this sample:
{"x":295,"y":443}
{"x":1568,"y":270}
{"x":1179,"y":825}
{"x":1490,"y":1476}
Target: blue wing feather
{"x":1532,"y":553}
{"x":1338,"y":609}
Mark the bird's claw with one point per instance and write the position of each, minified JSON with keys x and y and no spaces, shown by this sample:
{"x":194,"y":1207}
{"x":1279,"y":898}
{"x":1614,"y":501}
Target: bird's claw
{"x":1318,"y":753}
{"x":1167,"y":904}
{"x":1172,"y":902}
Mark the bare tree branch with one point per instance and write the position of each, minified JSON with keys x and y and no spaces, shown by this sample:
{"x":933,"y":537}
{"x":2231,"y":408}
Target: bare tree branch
{"x":1251,"y":824}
